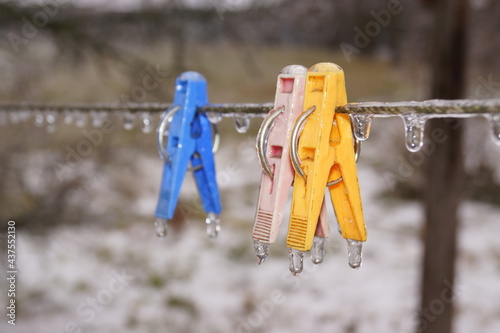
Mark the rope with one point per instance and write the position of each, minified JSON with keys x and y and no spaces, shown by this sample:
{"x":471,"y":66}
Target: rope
{"x":430,"y":108}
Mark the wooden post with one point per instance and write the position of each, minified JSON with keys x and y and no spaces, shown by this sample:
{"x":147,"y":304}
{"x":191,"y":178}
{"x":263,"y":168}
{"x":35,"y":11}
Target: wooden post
{"x":444,"y":170}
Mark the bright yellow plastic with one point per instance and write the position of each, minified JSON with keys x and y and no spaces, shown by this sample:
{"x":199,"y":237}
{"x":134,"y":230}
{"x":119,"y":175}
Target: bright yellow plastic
{"x":327,"y":153}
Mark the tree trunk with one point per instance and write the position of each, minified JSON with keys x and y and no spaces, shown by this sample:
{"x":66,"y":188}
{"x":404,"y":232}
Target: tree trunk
{"x":444,"y":170}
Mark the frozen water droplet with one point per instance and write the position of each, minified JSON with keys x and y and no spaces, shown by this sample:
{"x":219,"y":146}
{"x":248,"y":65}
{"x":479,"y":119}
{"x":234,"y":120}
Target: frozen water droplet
{"x":214,"y":117}
{"x":494,"y":120}
{"x":161,"y":227}
{"x":39,"y":119}
{"x":69,"y":117}
{"x":146,"y":122}
{"x":213,"y":225}
{"x":296,"y":261}
{"x":128,"y":120}
{"x":51,"y":119}
{"x":98,"y":118}
{"x":361,"y":124}
{"x":261,"y":250}
{"x":355,"y":253}
{"x":242,"y":123}
{"x":80,"y":119}
{"x":318,"y":250}
{"x":414,"y":132}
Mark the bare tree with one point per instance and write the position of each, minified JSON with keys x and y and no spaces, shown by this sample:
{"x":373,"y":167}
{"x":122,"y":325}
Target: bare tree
{"x":444,"y":170}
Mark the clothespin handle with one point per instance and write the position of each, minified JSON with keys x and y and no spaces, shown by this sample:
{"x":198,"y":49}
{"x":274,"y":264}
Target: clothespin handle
{"x":323,"y":155}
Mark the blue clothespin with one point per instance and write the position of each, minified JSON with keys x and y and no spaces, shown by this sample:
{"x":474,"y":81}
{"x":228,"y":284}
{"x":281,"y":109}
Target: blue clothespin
{"x":189,"y":140}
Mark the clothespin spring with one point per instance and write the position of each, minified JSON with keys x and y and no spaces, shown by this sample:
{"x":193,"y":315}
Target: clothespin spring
{"x":294,"y":143}
{"x":162,"y":134}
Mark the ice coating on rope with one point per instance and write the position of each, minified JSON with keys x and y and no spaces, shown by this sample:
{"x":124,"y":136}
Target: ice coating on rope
{"x":296,"y":261}
{"x":241,"y":123}
{"x":361,"y":124}
{"x":433,"y":108}
{"x":414,"y":131}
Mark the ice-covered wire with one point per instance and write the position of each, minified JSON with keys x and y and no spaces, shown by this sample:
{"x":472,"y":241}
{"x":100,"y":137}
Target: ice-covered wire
{"x":432,"y":108}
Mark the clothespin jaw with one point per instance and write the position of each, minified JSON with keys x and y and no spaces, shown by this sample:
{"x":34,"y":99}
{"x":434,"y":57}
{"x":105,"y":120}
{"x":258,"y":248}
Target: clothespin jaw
{"x":189,"y":140}
{"x":274,"y":157}
{"x":345,"y":194}
{"x":323,"y":157}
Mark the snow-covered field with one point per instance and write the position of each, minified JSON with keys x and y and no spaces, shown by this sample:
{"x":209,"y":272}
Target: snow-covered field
{"x":92,"y":278}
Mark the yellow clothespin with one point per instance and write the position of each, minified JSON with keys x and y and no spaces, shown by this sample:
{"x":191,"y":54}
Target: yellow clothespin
{"x":323,"y":155}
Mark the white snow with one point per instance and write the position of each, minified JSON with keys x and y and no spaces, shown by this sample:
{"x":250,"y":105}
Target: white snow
{"x":189,"y":283}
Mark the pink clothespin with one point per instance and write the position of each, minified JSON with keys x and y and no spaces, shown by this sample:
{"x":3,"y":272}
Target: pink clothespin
{"x":274,"y":157}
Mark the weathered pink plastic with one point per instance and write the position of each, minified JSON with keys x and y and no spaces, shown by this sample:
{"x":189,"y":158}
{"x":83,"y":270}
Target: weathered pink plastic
{"x":274,"y":191}
{"x":322,"y":228}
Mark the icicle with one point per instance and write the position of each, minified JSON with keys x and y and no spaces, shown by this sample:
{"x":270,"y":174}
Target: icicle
{"x":214,"y":117}
{"x":361,"y":124}
{"x":80,"y":119}
{"x":161,"y":228}
{"x":414,"y":132}
{"x":51,"y":119}
{"x":69,"y":117}
{"x":494,"y":120}
{"x":318,"y":250}
{"x":128,"y":120}
{"x":354,"y":251}
{"x":242,"y":123}
{"x":213,"y":225}
{"x":39,"y":119}
{"x":146,"y":122}
{"x":98,"y":118}
{"x":296,"y":260}
{"x":261,"y":250}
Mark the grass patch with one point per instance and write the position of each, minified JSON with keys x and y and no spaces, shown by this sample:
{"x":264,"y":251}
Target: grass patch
{"x":183,"y":304}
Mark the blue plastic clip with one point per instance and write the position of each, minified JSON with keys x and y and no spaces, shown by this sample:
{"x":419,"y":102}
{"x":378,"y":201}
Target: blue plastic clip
{"x":189,"y":140}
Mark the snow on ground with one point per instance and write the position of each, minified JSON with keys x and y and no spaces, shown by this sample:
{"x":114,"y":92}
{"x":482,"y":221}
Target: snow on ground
{"x":126,"y":280}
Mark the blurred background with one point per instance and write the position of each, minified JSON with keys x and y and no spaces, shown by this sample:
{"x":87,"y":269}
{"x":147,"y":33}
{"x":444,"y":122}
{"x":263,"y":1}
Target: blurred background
{"x":88,"y":258}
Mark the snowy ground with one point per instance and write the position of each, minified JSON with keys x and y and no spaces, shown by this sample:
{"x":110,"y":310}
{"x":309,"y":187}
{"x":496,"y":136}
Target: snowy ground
{"x":99,"y":279}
